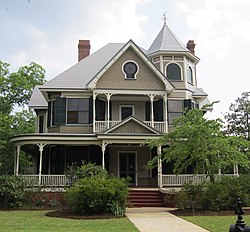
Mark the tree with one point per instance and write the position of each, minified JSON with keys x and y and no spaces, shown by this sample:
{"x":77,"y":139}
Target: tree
{"x":238,"y":117}
{"x":15,"y":90}
{"x":200,"y":142}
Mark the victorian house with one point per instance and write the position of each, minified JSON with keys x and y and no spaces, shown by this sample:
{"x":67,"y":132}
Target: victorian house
{"x":104,"y":108}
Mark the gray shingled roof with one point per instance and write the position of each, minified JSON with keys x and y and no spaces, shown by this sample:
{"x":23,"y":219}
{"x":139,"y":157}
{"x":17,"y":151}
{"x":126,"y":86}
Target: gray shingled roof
{"x":166,"y":41}
{"x":37,"y":100}
{"x":81,"y":73}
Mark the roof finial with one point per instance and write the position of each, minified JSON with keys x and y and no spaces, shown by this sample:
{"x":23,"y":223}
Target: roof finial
{"x":164,"y":17}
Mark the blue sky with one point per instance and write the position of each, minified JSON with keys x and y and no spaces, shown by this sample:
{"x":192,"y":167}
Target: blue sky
{"x":47,"y":32}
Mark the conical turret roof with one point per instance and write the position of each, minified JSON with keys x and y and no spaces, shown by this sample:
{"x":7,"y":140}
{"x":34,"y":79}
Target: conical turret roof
{"x":166,"y":41}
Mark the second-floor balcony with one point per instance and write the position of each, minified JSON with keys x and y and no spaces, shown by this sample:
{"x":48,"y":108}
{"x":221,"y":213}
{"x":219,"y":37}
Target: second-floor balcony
{"x":104,"y":125}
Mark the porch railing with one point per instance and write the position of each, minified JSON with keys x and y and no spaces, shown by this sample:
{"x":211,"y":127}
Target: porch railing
{"x":103,"y":125}
{"x":180,"y":180}
{"x":167,"y":180}
{"x":46,"y":180}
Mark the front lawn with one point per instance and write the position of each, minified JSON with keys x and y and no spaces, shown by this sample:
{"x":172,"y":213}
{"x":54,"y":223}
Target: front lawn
{"x":215,"y":223}
{"x":37,"y":221}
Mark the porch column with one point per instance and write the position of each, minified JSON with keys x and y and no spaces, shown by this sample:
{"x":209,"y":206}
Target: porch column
{"x":108,"y":95}
{"x":41,"y":146}
{"x":17,"y":156}
{"x":236,"y":169}
{"x":165,"y":114}
{"x":159,"y":167}
{"x":151,"y":96}
{"x":104,"y":145}
{"x":94,"y":117}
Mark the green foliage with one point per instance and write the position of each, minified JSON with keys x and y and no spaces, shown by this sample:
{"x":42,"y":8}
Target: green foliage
{"x":220,"y":195}
{"x":15,"y":90}
{"x":201,"y":143}
{"x":94,"y":195}
{"x":12,"y":191}
{"x":117,"y":209}
{"x":90,"y":170}
{"x":238,"y":117}
{"x":96,"y":192}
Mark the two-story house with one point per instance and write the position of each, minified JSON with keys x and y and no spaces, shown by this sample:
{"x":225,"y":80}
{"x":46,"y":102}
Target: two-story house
{"x":105,"y":107}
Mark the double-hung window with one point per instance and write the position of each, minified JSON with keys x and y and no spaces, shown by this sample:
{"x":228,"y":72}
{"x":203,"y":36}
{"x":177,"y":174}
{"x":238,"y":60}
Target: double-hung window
{"x":78,"y":111}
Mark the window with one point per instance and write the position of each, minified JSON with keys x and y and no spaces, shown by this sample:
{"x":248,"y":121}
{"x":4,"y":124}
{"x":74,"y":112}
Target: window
{"x":126,"y":111}
{"x":78,"y":111}
{"x":41,"y":123}
{"x":56,"y":112}
{"x":175,"y":110}
{"x":130,"y":69}
{"x":190,"y":75}
{"x":174,"y":72}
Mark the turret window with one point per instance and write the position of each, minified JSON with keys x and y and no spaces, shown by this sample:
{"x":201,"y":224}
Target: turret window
{"x":190,"y":75}
{"x":174,"y":72}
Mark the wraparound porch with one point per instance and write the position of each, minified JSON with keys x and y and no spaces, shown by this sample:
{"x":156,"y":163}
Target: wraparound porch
{"x":62,"y":181}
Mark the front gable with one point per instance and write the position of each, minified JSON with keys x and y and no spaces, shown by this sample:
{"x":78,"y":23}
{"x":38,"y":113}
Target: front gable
{"x":148,"y":76}
{"x":132,"y":125}
{"x":114,"y":77}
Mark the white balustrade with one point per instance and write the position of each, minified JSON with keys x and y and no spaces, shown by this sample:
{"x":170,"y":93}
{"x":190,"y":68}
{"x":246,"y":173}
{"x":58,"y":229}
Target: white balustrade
{"x":46,"y":180}
{"x":103,"y":125}
{"x":180,"y":180}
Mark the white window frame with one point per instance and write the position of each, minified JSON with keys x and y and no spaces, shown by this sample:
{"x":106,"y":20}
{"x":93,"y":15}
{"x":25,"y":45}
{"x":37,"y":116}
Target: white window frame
{"x":120,"y":110}
{"x":125,"y":75}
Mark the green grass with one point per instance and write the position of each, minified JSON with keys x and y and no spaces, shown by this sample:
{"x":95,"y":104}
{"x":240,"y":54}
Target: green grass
{"x":37,"y":221}
{"x":215,"y":223}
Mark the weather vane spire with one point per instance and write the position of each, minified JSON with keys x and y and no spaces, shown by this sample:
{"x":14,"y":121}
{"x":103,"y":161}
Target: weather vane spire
{"x":164,"y":17}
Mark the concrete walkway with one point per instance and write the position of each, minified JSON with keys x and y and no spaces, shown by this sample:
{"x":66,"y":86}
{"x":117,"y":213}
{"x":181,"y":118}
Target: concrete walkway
{"x":148,"y":219}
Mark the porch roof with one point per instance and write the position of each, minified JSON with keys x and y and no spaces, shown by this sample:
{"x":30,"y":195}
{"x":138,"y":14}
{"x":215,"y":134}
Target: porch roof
{"x":81,"y":139}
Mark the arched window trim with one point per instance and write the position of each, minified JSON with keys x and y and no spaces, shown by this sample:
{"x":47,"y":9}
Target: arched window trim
{"x":189,"y":68}
{"x":137,"y":71}
{"x":181,"y":71}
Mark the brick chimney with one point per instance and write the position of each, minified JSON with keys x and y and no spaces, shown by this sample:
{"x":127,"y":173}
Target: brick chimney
{"x":83,"y":49}
{"x":191,"y":46}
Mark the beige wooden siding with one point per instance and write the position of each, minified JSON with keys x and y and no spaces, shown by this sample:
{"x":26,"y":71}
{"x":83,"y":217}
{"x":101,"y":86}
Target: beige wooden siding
{"x":131,"y":127}
{"x":79,"y":129}
{"x":139,"y":109}
{"x":114,"y":78}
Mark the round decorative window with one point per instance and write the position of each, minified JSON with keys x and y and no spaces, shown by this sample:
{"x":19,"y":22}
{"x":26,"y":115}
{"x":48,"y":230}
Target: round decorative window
{"x":130,"y":69}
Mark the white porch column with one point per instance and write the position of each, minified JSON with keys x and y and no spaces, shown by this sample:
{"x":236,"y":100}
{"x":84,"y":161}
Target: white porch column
{"x":94,"y":114}
{"x":103,"y":153}
{"x":236,"y":169}
{"x":159,"y":167}
{"x":17,"y":157}
{"x":165,"y":110}
{"x":151,"y":96}
{"x":41,"y":146}
{"x":108,"y":95}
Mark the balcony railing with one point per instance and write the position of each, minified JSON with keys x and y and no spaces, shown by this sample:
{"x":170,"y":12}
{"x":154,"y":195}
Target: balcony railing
{"x":104,"y":125}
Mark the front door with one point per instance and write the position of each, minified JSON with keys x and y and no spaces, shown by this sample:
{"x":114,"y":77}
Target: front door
{"x":127,"y":166}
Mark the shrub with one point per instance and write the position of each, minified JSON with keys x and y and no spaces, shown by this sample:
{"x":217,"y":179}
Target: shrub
{"x":189,"y":197}
{"x":12,"y":191}
{"x":75,"y":173}
{"x":95,"y":191}
{"x":97,"y":194}
{"x":220,"y":195}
